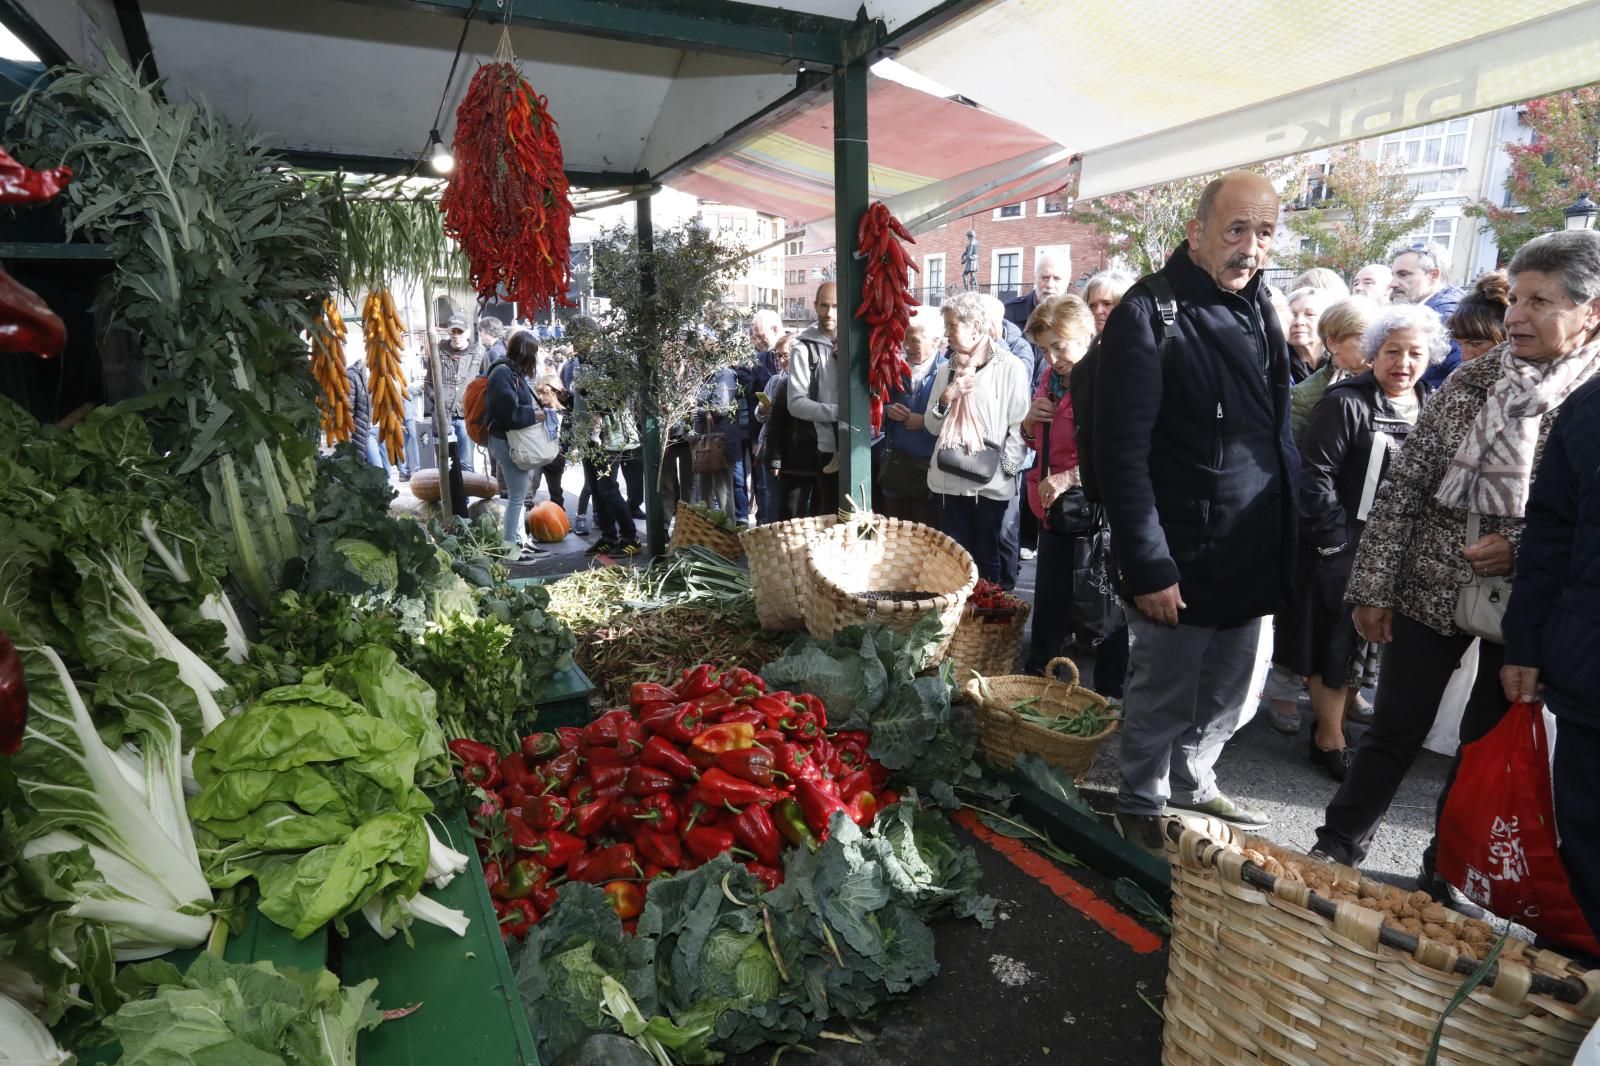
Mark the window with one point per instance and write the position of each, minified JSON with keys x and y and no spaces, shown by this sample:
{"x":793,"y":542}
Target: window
{"x":1007,"y":272}
{"x":933,"y":277}
{"x":1438,"y":144}
{"x":1052,"y":203}
{"x":1440,"y":231}
{"x":1010,"y":211}
{"x":1435,"y":181}
{"x":797,"y":247}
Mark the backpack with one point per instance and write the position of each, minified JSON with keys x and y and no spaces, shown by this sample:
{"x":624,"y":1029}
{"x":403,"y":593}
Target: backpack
{"x":475,"y":409}
{"x":1083,"y":381}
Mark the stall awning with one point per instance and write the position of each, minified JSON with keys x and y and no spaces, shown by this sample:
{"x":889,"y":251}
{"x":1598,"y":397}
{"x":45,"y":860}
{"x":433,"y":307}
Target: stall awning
{"x":1149,"y":92}
{"x":925,"y":151}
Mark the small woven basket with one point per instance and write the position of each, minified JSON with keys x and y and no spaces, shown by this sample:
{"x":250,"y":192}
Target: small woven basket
{"x":1262,"y":969}
{"x":777,"y":557}
{"x":1005,"y":734}
{"x":987,"y":645}
{"x":690,"y":527}
{"x":871,"y":553}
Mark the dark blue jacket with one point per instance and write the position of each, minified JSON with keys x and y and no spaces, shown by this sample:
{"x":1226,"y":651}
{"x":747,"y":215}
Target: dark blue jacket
{"x":1194,"y":454}
{"x":508,"y":403}
{"x":1553,"y":621}
{"x":1444,"y":302}
{"x":917,"y":442}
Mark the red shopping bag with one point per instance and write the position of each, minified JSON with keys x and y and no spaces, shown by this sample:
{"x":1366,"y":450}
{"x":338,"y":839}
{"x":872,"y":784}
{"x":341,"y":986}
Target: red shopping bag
{"x":1497,"y":838}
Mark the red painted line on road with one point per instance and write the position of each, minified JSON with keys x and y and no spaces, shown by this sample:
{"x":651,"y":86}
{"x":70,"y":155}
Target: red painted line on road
{"x":1077,"y":896}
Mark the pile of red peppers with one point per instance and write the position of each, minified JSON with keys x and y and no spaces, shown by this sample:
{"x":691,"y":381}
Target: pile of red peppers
{"x":992,"y":603}
{"x":711,"y":764}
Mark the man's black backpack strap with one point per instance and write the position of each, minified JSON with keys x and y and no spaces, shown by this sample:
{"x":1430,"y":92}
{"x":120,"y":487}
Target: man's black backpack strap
{"x":1166,"y":309}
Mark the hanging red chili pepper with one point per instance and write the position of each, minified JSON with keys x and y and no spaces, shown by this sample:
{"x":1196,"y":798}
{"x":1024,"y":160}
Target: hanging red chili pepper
{"x":26,"y":324}
{"x":507,"y":202}
{"x":886,"y":302}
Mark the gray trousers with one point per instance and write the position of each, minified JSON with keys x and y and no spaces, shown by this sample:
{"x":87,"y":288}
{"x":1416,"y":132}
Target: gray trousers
{"x":1185,"y":695}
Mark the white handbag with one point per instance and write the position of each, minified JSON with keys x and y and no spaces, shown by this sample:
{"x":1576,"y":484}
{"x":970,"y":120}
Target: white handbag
{"x":534,"y":446}
{"x":1481,"y":600}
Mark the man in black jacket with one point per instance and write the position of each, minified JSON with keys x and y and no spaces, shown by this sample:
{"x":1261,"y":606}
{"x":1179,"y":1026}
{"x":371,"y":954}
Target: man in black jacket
{"x":1195,"y":463}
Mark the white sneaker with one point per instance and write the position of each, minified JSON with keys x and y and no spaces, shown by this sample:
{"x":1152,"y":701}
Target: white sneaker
{"x":1029,"y":553}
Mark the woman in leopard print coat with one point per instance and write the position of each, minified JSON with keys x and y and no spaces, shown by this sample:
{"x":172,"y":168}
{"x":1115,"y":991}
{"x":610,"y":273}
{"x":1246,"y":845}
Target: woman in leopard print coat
{"x":1477,"y":441}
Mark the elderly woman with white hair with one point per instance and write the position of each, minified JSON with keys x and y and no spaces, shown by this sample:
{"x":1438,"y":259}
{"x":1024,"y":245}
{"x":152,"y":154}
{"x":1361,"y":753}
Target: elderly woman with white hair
{"x":1305,"y":344}
{"x":1450,"y":514}
{"x":1103,"y":292}
{"x":980,"y":397}
{"x":1350,"y":437}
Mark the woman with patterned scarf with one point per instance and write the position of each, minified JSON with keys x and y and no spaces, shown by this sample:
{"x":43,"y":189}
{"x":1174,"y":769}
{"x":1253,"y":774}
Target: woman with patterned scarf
{"x":1471,"y":459}
{"x":980,"y":397}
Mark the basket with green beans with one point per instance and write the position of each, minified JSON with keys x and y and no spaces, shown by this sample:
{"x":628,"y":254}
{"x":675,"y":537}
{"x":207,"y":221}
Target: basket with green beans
{"x":1060,"y":721}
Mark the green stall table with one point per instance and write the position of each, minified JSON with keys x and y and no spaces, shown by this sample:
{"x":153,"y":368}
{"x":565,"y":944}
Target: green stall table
{"x":468,"y":1008}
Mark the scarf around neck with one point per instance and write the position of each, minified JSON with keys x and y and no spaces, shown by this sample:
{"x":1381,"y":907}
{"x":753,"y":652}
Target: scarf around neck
{"x":1493,"y":468}
{"x":961,"y":427}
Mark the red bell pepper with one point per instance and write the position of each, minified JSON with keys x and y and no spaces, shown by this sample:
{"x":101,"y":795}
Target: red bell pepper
{"x":603,"y":730}
{"x":548,"y":812}
{"x":470,"y":751}
{"x":539,"y":746}
{"x":887,"y":798}
{"x":813,"y":704}
{"x":557,"y":773}
{"x":524,"y":876}
{"x":607,"y":864}
{"x":622,"y":816}
{"x":661,"y":755}
{"x":482,"y":775}
{"x":692,"y":812}
{"x":514,"y":769}
{"x":604,"y":777}
{"x":491,"y":874}
{"x":520,"y":833}
{"x":642,"y":692}
{"x":608,"y":756}
{"x":717,"y":787}
{"x":818,"y":800}
{"x":13,"y":698}
{"x":705,"y":842}
{"x":658,"y":812}
{"x":660,"y":847}
{"x":750,"y":764}
{"x":741,"y":682}
{"x":729,"y":736}
{"x":679,"y":724}
{"x":754,"y":829}
{"x":646,"y":781}
{"x":713,"y":703}
{"x":514,"y":796}
{"x":770,"y":876}
{"x":850,"y":784}
{"x":701,"y":759}
{"x":631,"y":737}
{"x":795,"y":760}
{"x":625,"y":898}
{"x":555,"y":848}
{"x":569,"y":737}
{"x":581,"y":791}
{"x":520,"y":914}
{"x":591,"y":817}
{"x":697,"y":681}
{"x":771,"y":706}
{"x":791,"y":823}
{"x":748,"y":715}
{"x":544,"y":898}
{"x":861,"y":806}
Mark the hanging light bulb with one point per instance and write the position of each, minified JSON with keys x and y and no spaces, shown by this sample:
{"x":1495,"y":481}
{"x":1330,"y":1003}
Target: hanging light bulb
{"x":439,"y":156}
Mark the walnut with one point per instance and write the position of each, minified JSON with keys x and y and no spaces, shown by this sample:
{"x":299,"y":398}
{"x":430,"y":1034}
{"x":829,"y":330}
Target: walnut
{"x":1275,"y":868}
{"x":1412,"y":926}
{"x":1420,"y":899}
{"x":1435,"y":931}
{"x":1435,"y":913}
{"x":1252,"y":855}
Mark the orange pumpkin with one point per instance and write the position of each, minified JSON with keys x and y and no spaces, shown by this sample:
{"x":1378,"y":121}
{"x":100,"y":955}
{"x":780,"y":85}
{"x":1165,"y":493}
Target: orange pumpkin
{"x":547,"y":523}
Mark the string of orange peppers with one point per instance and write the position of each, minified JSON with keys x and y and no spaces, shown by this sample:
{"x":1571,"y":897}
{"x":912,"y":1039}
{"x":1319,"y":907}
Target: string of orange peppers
{"x":507,"y":203}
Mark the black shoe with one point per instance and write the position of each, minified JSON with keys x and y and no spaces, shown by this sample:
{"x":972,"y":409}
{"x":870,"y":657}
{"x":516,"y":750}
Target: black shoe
{"x":1336,"y":762}
{"x":599,"y":547}
{"x":1144,"y":831}
{"x":627,"y":547}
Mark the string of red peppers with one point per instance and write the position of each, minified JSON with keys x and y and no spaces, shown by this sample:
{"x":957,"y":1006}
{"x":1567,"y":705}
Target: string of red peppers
{"x":26,"y":323}
{"x":712,"y":763}
{"x":886,"y":302}
{"x":507,"y":203}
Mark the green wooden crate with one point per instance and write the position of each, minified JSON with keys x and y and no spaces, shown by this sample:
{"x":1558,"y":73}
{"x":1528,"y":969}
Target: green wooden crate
{"x":469,"y":1008}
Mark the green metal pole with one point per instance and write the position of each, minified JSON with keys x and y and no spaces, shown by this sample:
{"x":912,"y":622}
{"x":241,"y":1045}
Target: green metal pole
{"x":850,"y":203}
{"x":655,"y":521}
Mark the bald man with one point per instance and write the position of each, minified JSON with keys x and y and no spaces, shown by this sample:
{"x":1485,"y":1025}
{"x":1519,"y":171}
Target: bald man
{"x":1196,"y":468}
{"x":813,"y":389}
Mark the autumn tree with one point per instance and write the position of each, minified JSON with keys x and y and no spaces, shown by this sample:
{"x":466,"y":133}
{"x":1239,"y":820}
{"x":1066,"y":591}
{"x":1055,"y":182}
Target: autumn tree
{"x":1548,"y":174}
{"x":1142,"y":227}
{"x":1373,"y":207}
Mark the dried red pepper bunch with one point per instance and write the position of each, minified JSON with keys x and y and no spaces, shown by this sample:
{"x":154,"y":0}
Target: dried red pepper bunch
{"x":886,"y":302}
{"x":507,"y":203}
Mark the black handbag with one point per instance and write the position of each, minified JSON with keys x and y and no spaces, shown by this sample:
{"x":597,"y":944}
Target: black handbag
{"x":1070,"y":513}
{"x":1097,"y":610}
{"x":977,"y":467}
{"x":905,"y":476}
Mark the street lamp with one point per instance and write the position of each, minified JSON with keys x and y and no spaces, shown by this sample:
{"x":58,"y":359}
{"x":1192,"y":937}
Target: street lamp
{"x":1582,"y":214}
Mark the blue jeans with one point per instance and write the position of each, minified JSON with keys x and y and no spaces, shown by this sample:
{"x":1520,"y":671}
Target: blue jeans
{"x":974,"y":523}
{"x":741,"y":494}
{"x":516,"y":488}
{"x":464,"y":445}
{"x":375,"y":451}
{"x":413,"y":455}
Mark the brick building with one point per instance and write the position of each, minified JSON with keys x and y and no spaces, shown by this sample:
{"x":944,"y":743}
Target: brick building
{"x":1010,"y":241}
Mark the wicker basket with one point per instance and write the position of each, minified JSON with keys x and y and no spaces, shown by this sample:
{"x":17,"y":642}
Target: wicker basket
{"x":1004,"y":734}
{"x":871,"y":553}
{"x":777,"y":556}
{"x":1257,"y":975}
{"x":988,"y":646}
{"x":690,"y":527}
